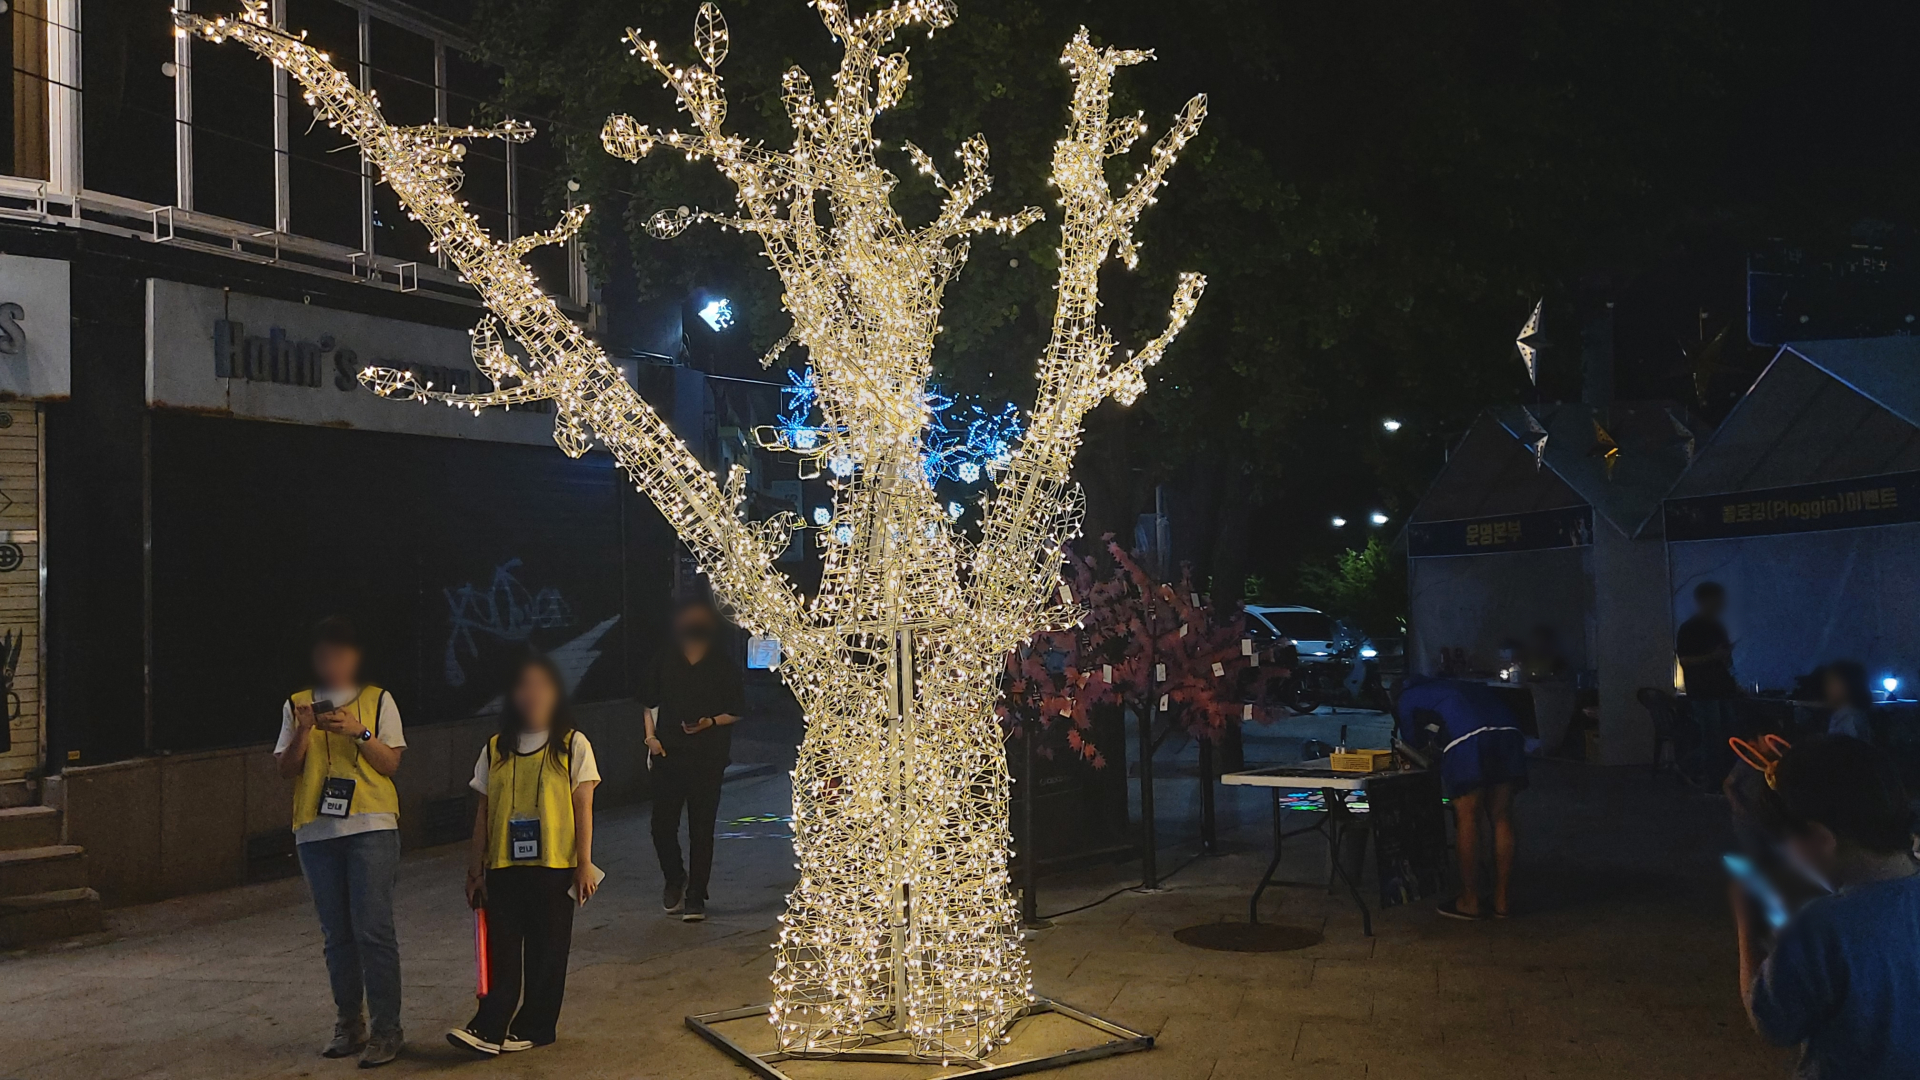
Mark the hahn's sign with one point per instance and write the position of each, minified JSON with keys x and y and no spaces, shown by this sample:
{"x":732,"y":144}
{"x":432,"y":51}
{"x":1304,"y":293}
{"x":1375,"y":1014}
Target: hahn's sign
{"x":36,"y":328}
{"x":215,"y":351}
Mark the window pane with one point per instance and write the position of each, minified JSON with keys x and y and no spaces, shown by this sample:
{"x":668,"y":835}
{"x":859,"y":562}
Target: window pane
{"x":24,"y":144}
{"x":324,"y":164}
{"x":402,"y":73}
{"x":126,"y":51}
{"x":471,"y":88}
{"x":232,"y":133}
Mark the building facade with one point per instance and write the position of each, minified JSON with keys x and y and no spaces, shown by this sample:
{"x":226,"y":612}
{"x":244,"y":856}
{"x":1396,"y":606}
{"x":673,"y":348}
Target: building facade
{"x":191,"y":475}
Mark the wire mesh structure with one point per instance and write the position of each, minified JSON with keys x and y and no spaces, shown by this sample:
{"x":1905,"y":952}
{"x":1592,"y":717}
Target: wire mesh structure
{"x":903,"y":920}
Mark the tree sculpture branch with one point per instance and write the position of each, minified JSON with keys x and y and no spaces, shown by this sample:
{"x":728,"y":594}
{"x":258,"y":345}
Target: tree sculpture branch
{"x":1037,"y":509}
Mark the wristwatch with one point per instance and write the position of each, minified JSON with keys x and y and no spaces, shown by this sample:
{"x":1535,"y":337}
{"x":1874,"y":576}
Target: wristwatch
{"x":366,"y":735}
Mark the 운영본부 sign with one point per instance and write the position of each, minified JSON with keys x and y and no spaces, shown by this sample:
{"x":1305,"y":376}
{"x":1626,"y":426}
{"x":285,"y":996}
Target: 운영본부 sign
{"x":1570,"y":526}
{"x":1839,"y":504}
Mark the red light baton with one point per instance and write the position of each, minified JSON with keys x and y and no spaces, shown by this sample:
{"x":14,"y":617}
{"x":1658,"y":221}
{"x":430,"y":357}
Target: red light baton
{"x":482,"y":967}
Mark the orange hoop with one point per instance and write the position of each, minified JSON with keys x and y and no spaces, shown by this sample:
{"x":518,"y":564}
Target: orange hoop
{"x":1763,"y":755}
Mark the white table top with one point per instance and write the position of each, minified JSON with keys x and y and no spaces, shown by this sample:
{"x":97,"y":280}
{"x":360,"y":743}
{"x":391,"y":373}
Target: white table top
{"x":1314,"y":775}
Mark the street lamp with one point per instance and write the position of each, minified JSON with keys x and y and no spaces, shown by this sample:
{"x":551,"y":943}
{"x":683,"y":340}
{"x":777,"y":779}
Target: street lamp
{"x":1379,"y":518}
{"x":1339,"y":522}
{"x":1390,"y":425}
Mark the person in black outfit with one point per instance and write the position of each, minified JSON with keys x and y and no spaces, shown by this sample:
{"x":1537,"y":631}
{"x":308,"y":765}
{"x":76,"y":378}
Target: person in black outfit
{"x":693,"y":693}
{"x":1706,"y":662}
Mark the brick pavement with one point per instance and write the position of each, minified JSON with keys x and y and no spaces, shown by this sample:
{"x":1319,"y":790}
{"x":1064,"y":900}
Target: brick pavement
{"x":1618,"y":964}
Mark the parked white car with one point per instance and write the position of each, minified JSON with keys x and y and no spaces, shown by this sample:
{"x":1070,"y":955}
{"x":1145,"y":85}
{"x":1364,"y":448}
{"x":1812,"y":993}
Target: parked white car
{"x":1314,"y":633}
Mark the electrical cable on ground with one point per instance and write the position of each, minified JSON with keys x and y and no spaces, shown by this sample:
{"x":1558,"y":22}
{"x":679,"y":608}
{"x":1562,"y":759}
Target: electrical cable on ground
{"x":1127,"y":889}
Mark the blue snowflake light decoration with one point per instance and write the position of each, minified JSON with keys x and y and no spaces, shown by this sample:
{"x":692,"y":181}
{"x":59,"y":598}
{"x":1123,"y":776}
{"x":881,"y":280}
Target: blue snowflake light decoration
{"x":963,"y":441}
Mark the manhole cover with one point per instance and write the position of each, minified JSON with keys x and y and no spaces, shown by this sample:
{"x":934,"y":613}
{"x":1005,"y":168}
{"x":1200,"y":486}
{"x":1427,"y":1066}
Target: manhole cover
{"x":1248,"y":937}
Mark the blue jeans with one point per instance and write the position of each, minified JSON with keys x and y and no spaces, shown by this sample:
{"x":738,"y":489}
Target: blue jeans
{"x":352,"y":879}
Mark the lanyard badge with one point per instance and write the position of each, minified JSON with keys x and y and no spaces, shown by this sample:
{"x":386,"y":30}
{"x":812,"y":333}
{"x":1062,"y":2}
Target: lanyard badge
{"x":336,"y":796}
{"x":523,"y":839}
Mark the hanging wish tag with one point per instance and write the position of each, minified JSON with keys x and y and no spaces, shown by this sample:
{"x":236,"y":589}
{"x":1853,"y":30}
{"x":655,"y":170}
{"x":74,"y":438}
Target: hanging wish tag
{"x":1183,"y":629}
{"x":336,"y":797}
{"x":1219,"y":669}
{"x":1246,"y":712}
{"x":1246,"y":646}
{"x":1256,"y":659}
{"x":1106,"y":673}
{"x":523,"y":839}
{"x":1159,"y":673}
{"x":1194,"y":599}
{"x":1066,"y":593}
{"x":1163,"y":703}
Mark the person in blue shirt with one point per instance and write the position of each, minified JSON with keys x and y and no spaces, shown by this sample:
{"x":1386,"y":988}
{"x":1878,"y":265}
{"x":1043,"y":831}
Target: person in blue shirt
{"x":1483,"y":763}
{"x":1843,"y":981}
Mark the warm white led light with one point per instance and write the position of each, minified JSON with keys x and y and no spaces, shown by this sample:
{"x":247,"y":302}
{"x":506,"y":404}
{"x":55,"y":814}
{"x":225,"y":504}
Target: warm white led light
{"x":902,"y":914}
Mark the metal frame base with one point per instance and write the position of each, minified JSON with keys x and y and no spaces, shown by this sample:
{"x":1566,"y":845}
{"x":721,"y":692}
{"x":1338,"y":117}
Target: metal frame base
{"x":1123,"y":1041}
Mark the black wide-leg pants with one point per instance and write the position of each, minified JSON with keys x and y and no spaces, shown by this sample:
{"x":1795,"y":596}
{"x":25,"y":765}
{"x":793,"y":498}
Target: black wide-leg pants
{"x":529,"y":936}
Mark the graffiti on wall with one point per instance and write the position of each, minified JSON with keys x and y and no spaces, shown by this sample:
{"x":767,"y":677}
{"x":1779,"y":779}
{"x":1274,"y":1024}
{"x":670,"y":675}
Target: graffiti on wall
{"x":505,"y":610}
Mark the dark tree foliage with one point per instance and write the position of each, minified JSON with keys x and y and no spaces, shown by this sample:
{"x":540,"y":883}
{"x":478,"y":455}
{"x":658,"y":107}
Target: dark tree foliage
{"x":1383,"y":189}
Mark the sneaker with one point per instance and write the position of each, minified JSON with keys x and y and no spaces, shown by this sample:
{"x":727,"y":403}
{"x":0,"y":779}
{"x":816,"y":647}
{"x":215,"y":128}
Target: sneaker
{"x":696,"y":911}
{"x":1451,"y":910}
{"x":513,"y":1044}
{"x":675,"y":898}
{"x":349,"y":1037}
{"x":382,"y":1048}
{"x":469,"y":1039}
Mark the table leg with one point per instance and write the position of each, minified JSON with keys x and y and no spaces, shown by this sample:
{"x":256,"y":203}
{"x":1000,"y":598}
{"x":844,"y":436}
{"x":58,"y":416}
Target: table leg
{"x":1253,"y":906}
{"x":1336,"y":825}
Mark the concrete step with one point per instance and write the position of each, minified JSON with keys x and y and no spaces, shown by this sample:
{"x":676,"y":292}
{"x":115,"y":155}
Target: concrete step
{"x":29,"y":826}
{"x":50,"y":868}
{"x":48,"y":916}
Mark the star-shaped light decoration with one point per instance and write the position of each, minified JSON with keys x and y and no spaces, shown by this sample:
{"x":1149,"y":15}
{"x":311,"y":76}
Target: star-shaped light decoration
{"x":1682,"y":434}
{"x":1605,"y":448}
{"x":1530,"y":352}
{"x":1536,"y":439}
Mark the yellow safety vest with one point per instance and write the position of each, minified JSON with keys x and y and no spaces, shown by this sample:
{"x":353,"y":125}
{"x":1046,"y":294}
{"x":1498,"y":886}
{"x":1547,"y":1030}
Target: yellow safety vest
{"x":532,"y":785}
{"x":338,"y":755}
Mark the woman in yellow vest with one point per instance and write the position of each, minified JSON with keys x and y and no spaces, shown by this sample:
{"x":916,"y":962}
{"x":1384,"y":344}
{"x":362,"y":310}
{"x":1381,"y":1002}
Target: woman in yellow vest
{"x":340,"y":744}
{"x":532,"y":859}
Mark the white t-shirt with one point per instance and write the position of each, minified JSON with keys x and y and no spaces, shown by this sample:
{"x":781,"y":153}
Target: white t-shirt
{"x":387,"y":730}
{"x":584,"y":768}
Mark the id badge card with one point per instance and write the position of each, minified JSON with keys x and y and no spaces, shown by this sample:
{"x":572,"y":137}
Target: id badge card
{"x":523,"y":839}
{"x":336,"y":796}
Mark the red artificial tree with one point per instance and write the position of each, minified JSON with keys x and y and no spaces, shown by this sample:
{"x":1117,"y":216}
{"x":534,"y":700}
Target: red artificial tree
{"x":1141,"y":644}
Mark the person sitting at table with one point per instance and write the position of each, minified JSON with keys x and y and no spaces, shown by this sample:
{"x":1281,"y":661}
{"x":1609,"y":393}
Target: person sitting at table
{"x":1483,"y":763}
{"x":1849,"y":699}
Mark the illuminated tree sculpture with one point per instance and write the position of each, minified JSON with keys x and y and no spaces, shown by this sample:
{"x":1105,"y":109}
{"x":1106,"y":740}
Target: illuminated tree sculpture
{"x":902,"y":916}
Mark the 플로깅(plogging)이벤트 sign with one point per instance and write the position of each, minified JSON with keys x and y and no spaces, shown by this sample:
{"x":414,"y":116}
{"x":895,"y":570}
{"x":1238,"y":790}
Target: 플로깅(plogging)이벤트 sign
{"x":216,"y":351}
{"x":1838,"y":504}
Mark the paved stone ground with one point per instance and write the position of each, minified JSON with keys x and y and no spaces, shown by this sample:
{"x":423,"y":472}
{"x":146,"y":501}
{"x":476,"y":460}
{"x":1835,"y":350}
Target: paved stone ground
{"x":1618,"y":964}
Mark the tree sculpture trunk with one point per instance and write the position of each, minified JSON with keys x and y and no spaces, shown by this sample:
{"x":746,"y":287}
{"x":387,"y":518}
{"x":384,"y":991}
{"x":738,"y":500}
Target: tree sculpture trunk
{"x":903,"y":915}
